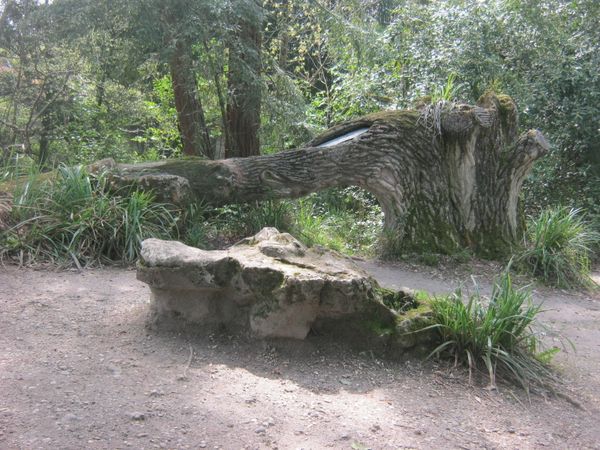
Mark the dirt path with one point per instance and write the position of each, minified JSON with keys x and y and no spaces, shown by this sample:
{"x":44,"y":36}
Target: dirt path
{"x":78,"y":369}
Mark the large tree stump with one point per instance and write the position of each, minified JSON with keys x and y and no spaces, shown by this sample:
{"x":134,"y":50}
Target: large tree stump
{"x":447,"y":176}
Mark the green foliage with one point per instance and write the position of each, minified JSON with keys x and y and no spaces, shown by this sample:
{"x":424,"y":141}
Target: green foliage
{"x":468,"y":48}
{"x":499,"y":336}
{"x":73,"y":187}
{"x":194,"y":226}
{"x":347,"y":220}
{"x":429,"y":259}
{"x":75,"y":218}
{"x":284,"y":122}
{"x":271,"y":213}
{"x":390,"y":245}
{"x":17,"y":166}
{"x":244,"y":220}
{"x":557,"y":248}
{"x":80,"y":81}
{"x":398,"y":301}
{"x":446,"y":93}
{"x":208,"y":227}
{"x":159,"y":136}
{"x":310,"y":227}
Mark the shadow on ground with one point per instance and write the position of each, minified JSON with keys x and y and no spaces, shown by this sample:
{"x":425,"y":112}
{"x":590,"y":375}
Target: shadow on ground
{"x":79,"y":368}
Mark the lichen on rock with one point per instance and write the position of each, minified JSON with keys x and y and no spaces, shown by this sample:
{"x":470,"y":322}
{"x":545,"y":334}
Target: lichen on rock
{"x":270,"y":285}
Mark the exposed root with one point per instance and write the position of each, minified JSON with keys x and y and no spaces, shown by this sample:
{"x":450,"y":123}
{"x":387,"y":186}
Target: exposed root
{"x":431,"y":116}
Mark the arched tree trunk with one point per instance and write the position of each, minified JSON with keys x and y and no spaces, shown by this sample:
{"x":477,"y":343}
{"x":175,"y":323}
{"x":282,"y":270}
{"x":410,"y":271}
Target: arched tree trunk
{"x":447,"y":176}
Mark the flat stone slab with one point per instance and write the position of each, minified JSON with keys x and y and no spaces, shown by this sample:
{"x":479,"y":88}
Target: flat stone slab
{"x":270,"y":284}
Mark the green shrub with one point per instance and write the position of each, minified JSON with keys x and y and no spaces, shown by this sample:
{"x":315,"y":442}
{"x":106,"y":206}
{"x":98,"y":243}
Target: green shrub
{"x":398,"y":301}
{"x":429,"y":259}
{"x":349,"y":199}
{"x":239,"y":221}
{"x":557,"y":248}
{"x":309,"y":226}
{"x":390,"y":245}
{"x":498,"y":337}
{"x":13,"y":166}
{"x":195,"y":228}
{"x":347,"y":220}
{"x":74,"y":217}
{"x":330,"y":229}
{"x":271,"y":213}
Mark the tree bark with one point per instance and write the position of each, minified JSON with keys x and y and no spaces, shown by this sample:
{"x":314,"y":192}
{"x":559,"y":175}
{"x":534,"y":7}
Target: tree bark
{"x":245,"y":93}
{"x":447,"y":176}
{"x":190,"y":115}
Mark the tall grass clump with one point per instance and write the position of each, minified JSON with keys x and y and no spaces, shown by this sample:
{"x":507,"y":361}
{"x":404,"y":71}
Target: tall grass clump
{"x":557,"y":248}
{"x":310,"y":227}
{"x":74,"y":217}
{"x":238,"y":221}
{"x":348,"y":220}
{"x":270,"y":213}
{"x":497,"y":336}
{"x":194,"y":225}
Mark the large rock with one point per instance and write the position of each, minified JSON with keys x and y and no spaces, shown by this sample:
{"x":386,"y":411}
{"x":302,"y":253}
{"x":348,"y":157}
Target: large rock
{"x":270,"y":284}
{"x":273,"y":286}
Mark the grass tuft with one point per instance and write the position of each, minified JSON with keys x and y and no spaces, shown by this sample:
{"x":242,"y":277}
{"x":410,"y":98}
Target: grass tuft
{"x":74,"y":218}
{"x":498,"y":337}
{"x":557,"y":249}
{"x":347,"y":220}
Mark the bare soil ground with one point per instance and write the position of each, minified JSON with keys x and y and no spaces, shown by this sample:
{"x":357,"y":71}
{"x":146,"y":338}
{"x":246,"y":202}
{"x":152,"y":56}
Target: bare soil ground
{"x":79,"y":369}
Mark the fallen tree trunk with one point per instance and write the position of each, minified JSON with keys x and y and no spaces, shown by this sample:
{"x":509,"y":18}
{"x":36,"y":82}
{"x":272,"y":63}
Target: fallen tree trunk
{"x":446,"y":176}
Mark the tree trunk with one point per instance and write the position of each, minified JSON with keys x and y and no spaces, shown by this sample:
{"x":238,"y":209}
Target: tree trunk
{"x":447,"y":177}
{"x":190,"y":115}
{"x":44,"y":146}
{"x":244,"y":85}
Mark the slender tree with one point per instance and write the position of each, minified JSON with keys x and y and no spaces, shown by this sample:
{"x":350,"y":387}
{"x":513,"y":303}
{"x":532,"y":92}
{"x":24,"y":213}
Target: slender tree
{"x":244,"y":82}
{"x":192,"y":123}
{"x":35,"y":74}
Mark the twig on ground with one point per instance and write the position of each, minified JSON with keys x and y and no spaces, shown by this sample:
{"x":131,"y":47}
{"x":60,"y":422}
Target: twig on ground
{"x":189,"y":362}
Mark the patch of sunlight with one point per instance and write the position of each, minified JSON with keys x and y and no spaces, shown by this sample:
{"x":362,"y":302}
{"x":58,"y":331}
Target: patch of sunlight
{"x":343,"y":138}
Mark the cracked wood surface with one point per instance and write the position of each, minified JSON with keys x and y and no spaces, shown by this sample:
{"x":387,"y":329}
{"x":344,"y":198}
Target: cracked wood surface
{"x":446,"y":176}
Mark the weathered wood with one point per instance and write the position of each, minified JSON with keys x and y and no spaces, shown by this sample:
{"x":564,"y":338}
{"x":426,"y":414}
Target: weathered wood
{"x":446,"y":176}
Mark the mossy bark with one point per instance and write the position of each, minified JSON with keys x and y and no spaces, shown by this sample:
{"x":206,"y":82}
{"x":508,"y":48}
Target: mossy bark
{"x":446,"y":176}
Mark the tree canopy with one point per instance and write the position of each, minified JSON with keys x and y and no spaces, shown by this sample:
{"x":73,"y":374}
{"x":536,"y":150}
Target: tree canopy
{"x":136,"y":81}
